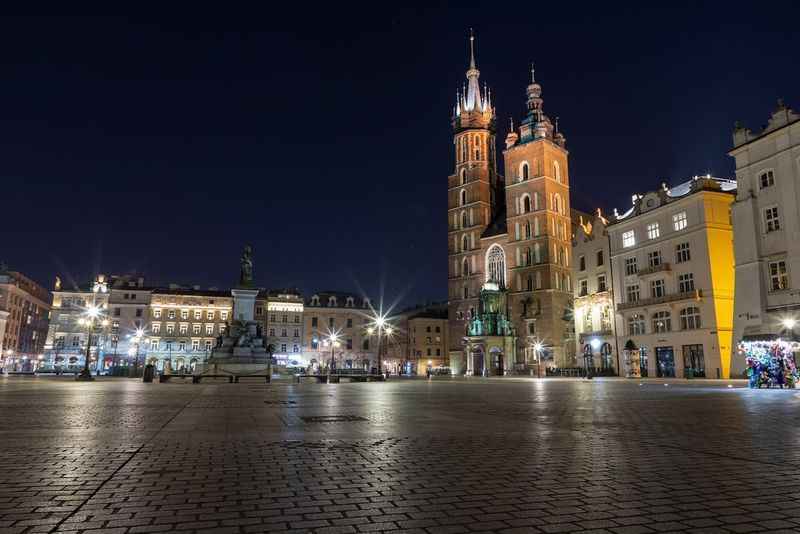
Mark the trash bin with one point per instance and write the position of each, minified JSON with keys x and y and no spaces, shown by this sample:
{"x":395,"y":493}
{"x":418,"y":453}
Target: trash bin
{"x":149,"y":372}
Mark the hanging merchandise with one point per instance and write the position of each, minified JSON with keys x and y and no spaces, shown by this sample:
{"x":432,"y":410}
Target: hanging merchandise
{"x":769,"y":364}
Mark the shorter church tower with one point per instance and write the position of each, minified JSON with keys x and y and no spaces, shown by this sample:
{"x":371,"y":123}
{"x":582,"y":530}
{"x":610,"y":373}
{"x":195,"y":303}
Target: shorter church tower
{"x":539,"y":235}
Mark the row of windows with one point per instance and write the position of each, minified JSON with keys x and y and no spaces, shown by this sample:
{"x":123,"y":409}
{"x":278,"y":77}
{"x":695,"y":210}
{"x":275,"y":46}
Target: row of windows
{"x":284,"y":332}
{"x":661,"y":322}
{"x":679,"y":222}
{"x":332,"y":322}
{"x":273,"y":318}
{"x":600,"y":259}
{"x":183,"y":329}
{"x":315,"y":344}
{"x":467,"y":142}
{"x":525,"y":171}
{"x":601,"y":285}
{"x":654,"y":258}
{"x":117,"y":312}
{"x":184,"y":314}
{"x":658,"y":287}
{"x":333,"y":302}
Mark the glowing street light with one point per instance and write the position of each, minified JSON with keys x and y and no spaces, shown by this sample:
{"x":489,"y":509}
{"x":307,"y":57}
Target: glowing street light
{"x":789,"y":323}
{"x":93,"y":318}
{"x":380,"y":326}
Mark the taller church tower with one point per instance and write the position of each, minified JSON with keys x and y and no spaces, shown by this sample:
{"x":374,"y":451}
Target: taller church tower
{"x":473,"y":192}
{"x":538,"y":243}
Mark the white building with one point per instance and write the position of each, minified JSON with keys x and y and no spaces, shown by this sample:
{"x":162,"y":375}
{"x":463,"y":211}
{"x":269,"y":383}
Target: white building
{"x":594,"y":299}
{"x":672,"y":265}
{"x":767,"y":222}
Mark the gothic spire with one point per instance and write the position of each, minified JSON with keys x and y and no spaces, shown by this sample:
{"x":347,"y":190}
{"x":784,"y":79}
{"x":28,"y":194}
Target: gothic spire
{"x":473,"y":97}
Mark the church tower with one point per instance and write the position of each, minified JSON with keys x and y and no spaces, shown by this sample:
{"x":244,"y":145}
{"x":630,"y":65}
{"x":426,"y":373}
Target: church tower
{"x":538,"y":244}
{"x":472,"y":198}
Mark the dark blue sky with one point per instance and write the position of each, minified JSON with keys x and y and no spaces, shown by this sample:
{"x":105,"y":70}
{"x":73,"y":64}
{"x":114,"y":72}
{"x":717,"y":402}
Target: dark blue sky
{"x":163,"y":142}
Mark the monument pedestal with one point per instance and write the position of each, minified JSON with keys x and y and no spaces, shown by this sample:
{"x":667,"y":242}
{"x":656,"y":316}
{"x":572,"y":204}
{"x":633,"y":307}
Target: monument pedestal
{"x":241,"y":351}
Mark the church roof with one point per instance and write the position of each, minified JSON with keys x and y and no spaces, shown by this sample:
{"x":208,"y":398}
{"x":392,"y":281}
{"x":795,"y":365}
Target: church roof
{"x":497,"y":226}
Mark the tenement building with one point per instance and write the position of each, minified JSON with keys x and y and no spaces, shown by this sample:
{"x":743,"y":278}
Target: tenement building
{"x":595,"y":327}
{"x":184,"y":325}
{"x":24,"y":316}
{"x":509,"y":238}
{"x":284,"y":324}
{"x":766,"y":220}
{"x":672,"y":267}
{"x":419,"y":342}
{"x":337,"y":330}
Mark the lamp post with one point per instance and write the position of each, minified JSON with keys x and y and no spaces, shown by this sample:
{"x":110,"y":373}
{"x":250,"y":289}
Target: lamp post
{"x":333,"y":341}
{"x":381,"y":328}
{"x":137,"y":339}
{"x":537,"y":355}
{"x":91,"y":321}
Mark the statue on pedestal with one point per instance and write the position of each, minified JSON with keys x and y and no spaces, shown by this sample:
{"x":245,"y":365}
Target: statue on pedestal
{"x":246,"y":273}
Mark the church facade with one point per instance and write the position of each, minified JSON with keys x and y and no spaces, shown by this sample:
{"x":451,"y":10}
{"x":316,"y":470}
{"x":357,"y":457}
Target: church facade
{"x":509,"y":239}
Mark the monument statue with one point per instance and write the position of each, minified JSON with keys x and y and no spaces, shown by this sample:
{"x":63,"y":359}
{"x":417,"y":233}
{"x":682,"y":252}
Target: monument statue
{"x":246,"y":273}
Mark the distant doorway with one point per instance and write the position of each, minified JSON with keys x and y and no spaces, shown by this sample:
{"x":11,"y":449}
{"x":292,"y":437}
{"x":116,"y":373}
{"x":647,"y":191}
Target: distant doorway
{"x":477,"y":363}
{"x":497,"y":360}
{"x":665,"y":362}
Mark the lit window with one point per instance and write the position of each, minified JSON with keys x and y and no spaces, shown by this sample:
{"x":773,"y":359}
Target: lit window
{"x":778,"y":276}
{"x":223,"y":315}
{"x":209,"y":329}
{"x":772,"y":222}
{"x":196,"y":328}
{"x":210,"y":315}
{"x":766,"y":179}
{"x":657,"y":289}
{"x":601,"y":283}
{"x":630,"y":266}
{"x":283,"y":347}
{"x":628,"y":239}
{"x":584,"y":285}
{"x":156,"y":327}
{"x":662,"y":322}
{"x":682,"y":253}
{"x":632,"y":293}
{"x":198,"y":314}
{"x":690,"y":318}
{"x":654,"y":258}
{"x":157,"y":314}
{"x":195,"y":344}
{"x":153,"y":344}
{"x":171,"y":314}
{"x":679,"y":221}
{"x":685,"y":282}
{"x":208,"y":345}
{"x":184,"y":329}
{"x":184,"y":314}
{"x":636,"y":324}
{"x":170,"y":329}
{"x":653,"y":231}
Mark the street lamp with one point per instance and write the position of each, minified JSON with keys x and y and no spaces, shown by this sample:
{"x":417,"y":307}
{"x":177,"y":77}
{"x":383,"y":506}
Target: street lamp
{"x":137,"y":339}
{"x":93,"y":318}
{"x":537,"y":354}
{"x":333,"y":341}
{"x":381,"y":327}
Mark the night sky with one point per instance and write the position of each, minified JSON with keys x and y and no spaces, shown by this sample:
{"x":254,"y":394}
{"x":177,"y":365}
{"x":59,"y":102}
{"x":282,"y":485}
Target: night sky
{"x":162,"y":143}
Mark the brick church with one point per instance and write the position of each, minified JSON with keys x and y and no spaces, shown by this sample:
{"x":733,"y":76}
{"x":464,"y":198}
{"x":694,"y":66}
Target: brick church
{"x":509,"y":239}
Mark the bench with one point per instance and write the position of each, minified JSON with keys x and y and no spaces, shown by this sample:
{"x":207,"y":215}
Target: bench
{"x":197,"y":378}
{"x":166,"y":378}
{"x":335,"y":378}
{"x":268,"y":377}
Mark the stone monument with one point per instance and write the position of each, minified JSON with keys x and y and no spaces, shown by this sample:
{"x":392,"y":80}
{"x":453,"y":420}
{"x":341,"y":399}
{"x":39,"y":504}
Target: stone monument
{"x":242,"y":351}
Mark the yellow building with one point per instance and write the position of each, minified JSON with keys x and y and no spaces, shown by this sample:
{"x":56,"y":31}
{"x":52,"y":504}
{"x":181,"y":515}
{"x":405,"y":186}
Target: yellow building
{"x":673,"y":270}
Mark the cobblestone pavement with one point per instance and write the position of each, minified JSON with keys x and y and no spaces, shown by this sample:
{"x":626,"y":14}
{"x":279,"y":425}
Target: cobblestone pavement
{"x":441,"y":456}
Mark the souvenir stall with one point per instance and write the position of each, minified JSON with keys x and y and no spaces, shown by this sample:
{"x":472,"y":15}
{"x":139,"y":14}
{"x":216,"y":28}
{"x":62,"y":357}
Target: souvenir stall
{"x":770,"y":363}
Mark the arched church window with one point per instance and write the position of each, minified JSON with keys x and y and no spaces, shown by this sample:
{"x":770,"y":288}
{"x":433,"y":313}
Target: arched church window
{"x":556,"y":172}
{"x":496,"y":265}
{"x":526,"y":258}
{"x":530,"y":283}
{"x":466,"y":292}
{"x":464,"y":243}
{"x":465,"y":267}
{"x":463,"y":197}
{"x":526,"y":204}
{"x":524,"y":172}
{"x":527,"y":229}
{"x":464,"y":221}
{"x":463,"y":176}
{"x":477,"y":145}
